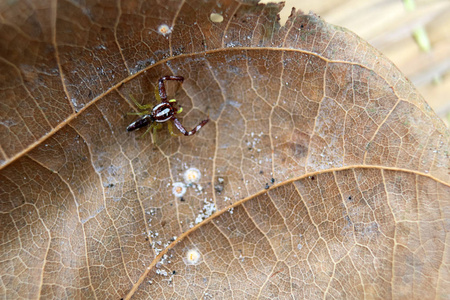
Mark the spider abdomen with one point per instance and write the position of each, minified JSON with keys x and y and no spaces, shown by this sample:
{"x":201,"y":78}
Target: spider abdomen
{"x":141,"y":122}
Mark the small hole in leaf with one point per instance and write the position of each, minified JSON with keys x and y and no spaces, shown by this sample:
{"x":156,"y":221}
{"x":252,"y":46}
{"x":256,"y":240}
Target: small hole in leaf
{"x":216,"y":18}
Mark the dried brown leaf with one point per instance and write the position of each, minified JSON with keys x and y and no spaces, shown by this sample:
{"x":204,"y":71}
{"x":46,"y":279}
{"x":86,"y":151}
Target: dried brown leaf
{"x":355,"y":162}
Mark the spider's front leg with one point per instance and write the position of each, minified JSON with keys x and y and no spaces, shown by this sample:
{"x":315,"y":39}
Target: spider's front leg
{"x":184,"y":131}
{"x":162,"y":87}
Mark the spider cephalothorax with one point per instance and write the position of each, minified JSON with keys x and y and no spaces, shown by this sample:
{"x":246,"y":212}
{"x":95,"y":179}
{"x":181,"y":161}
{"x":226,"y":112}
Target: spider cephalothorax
{"x":162,"y":112}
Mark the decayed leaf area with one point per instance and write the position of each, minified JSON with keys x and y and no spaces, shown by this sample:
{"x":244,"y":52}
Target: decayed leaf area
{"x":322,"y":173}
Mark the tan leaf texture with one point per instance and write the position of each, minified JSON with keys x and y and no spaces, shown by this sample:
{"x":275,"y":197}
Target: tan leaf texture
{"x":321,"y":174}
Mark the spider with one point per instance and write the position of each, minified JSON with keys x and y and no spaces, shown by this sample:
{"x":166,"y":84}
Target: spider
{"x":161,"y":112}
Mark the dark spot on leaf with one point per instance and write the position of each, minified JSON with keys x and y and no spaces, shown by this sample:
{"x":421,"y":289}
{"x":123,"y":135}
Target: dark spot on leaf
{"x":349,"y":222}
{"x":218,"y":188}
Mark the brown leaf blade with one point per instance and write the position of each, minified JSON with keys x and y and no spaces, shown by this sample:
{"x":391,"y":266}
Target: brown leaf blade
{"x":344,"y":234}
{"x":357,"y":162}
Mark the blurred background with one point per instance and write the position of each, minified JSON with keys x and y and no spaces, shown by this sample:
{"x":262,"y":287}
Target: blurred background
{"x":415,"y":35}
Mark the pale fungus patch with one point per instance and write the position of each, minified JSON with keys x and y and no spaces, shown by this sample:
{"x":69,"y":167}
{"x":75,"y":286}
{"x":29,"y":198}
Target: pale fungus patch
{"x":193,"y":257}
{"x":164,"y":29}
{"x":192,"y":175}
{"x":178,"y":189}
{"x":208,"y":209}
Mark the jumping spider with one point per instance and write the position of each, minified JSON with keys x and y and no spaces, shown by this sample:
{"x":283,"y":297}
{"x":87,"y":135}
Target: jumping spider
{"x":161,"y":112}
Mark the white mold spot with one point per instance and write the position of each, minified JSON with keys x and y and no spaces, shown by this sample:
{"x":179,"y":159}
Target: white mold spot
{"x":193,"y":257}
{"x":178,"y":189}
{"x":164,"y":29}
{"x":192,"y":175}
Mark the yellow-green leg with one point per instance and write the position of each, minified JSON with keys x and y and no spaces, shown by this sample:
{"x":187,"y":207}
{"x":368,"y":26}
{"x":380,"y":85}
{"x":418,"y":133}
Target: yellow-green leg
{"x":138,"y":113}
{"x":155,"y":126}
{"x":147,"y":131}
{"x":169,"y":124}
{"x":170,"y":127}
{"x":141,"y":107}
{"x":180,"y":109}
{"x":157,"y":96}
{"x":152,"y":128}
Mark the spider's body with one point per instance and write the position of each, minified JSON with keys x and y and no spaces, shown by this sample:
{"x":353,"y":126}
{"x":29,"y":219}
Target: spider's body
{"x":162,"y":112}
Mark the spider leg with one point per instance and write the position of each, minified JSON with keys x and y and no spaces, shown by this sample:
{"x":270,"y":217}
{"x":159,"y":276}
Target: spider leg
{"x":152,"y":128}
{"x":162,"y":87}
{"x":145,"y":112}
{"x":157,"y":94}
{"x":170,"y":127}
{"x":155,"y":126}
{"x":141,"y":107}
{"x":147,"y":131}
{"x":174,"y":107}
{"x":184,"y":131}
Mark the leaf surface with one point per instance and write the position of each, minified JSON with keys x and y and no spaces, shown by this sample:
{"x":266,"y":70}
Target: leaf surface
{"x":323,"y":172}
